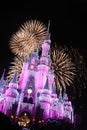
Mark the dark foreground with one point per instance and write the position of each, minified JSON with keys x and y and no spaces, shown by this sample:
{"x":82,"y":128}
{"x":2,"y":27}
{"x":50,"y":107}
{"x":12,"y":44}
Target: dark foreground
{"x":6,"y":123}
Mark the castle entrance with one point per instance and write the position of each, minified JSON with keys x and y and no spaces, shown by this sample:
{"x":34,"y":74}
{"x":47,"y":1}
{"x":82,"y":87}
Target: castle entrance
{"x":24,"y":119}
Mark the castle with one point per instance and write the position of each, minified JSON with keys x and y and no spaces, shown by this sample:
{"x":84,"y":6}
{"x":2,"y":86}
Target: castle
{"x":35,"y":92}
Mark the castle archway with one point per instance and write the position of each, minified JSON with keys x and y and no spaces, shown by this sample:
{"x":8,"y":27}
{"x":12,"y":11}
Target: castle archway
{"x":25,"y":100}
{"x":30,"y":100}
{"x":24,"y":119}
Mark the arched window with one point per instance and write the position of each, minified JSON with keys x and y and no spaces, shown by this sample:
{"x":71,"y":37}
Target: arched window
{"x":30,"y":83}
{"x":25,"y":100}
{"x":30,"y":100}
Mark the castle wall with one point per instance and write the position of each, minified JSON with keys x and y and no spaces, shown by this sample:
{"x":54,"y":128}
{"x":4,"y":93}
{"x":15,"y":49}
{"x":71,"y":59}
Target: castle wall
{"x":26,"y":107}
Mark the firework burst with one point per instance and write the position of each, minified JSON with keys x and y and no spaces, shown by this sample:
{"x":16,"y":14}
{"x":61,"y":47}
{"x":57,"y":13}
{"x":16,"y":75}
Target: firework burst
{"x":64,"y":69}
{"x":28,"y":38}
{"x":16,"y":65}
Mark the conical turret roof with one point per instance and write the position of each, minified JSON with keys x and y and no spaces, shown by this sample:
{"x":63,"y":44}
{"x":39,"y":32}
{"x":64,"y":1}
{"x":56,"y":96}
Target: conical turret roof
{"x":15,"y":78}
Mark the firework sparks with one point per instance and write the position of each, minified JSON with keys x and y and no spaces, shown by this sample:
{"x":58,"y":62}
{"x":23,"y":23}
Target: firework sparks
{"x":66,"y":62}
{"x":64,"y":69}
{"x":16,"y":65}
{"x":28,"y":38}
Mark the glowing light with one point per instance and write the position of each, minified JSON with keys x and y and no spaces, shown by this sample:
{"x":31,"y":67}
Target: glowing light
{"x":33,"y":119}
{"x":39,"y":121}
{"x":29,"y":91}
{"x":24,"y":120}
{"x":32,"y":67}
{"x":12,"y":116}
{"x":25,"y":114}
{"x":16,"y":117}
{"x":42,"y":121}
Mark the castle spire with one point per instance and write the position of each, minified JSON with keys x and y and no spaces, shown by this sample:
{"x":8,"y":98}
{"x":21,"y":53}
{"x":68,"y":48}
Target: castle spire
{"x":45,"y":48}
{"x":14,"y":80}
{"x":65,"y":97}
{"x":33,"y":60}
{"x":46,"y":84}
{"x":60,"y":95}
{"x":54,"y":89}
{"x":48,"y":34}
{"x":3,"y":82}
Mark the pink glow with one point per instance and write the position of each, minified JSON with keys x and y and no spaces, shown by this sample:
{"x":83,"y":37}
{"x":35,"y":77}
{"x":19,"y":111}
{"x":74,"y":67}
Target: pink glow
{"x":40,"y":80}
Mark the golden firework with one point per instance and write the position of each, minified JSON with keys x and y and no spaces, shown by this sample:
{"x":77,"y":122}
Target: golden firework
{"x":64,"y":69}
{"x":16,"y":65}
{"x":28,"y":38}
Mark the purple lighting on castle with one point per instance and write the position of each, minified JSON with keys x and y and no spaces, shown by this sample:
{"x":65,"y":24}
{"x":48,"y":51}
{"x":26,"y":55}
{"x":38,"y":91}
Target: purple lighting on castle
{"x":36,"y":90}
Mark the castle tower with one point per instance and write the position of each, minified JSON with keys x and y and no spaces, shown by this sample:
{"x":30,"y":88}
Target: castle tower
{"x":45,"y":48}
{"x":43,"y":68}
{"x":34,"y":59}
{"x":2,"y":77}
{"x":30,"y":67}
{"x":24,"y":70}
{"x":68,"y":110}
{"x":3,"y":87}
{"x":27,"y":97}
{"x":14,"y":82}
{"x":60,"y":105}
{"x":45,"y":100}
{"x":51,"y":79}
{"x":54,"y":104}
{"x":3,"y":84}
{"x":11,"y":95}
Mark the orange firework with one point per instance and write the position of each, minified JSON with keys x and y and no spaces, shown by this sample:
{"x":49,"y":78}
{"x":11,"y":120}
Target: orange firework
{"x":28,"y":38}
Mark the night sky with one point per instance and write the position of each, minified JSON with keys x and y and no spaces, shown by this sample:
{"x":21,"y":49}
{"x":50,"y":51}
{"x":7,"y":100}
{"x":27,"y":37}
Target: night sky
{"x":68,"y":24}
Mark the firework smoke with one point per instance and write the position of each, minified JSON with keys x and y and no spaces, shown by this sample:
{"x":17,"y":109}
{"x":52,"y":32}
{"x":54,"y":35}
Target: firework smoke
{"x":80,"y":82}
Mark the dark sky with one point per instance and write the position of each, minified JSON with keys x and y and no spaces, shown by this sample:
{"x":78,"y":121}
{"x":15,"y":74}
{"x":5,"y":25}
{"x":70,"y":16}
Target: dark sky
{"x":68,"y":24}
